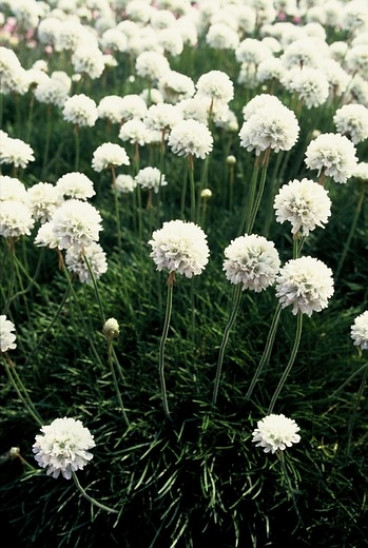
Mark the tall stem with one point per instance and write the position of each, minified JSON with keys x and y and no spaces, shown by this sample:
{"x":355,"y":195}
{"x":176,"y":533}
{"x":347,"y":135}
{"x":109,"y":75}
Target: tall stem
{"x":237,"y":292}
{"x":192,"y":188}
{"x":250,"y":198}
{"x":91,"y":499}
{"x":76,"y":135}
{"x":117,"y":209}
{"x":298,"y":335}
{"x":354,"y":413}
{"x":258,"y":198}
{"x":165,"y":331}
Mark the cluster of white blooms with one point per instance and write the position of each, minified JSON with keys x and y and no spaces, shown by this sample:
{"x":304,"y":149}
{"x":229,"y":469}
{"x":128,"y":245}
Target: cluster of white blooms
{"x":76,"y":223}
{"x":305,"y":284}
{"x":53,"y":90}
{"x":12,"y":188}
{"x":111,"y":108}
{"x":80,"y":110}
{"x":63,"y":447}
{"x":190,"y":137}
{"x":162,"y":117}
{"x":150,"y":178}
{"x":180,"y":247}
{"x":359,"y":331}
{"x":15,"y":219}
{"x":252,"y":261}
{"x":7,"y":337}
{"x":310,"y":84}
{"x":215,"y":86}
{"x":175,"y":86}
{"x":109,"y":154}
{"x":332,"y":154}
{"x":76,"y":261}
{"x":276,"y":433}
{"x":136,"y":132}
{"x":352,"y":120}
{"x":89,"y":60}
{"x":125,"y":183}
{"x":75,"y":185}
{"x":271,"y":125}
{"x":15,"y":151}
{"x":44,"y":198}
{"x":305,"y":204}
{"x":151,"y":65}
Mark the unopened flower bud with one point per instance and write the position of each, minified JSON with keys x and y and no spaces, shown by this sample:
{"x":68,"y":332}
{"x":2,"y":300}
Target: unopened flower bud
{"x":110,"y":328}
{"x":206,"y":193}
{"x":231,"y":160}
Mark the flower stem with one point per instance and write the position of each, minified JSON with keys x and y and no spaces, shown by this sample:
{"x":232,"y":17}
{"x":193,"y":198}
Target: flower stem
{"x":237,"y":292}
{"x":258,"y":198}
{"x":354,"y":413}
{"x":117,"y":209}
{"x":250,"y":198}
{"x":110,"y":355}
{"x":165,"y":330}
{"x":192,"y":188}
{"x":91,"y":499}
{"x":287,"y":370}
{"x":76,"y":135}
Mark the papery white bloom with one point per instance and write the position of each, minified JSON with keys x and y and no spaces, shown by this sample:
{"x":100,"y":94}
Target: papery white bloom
{"x":270,"y":69}
{"x":8,"y":62}
{"x":276,"y":433}
{"x":274,"y":127}
{"x":162,"y":117}
{"x":15,"y":219}
{"x":12,"y":188}
{"x":136,"y":132}
{"x":265,"y":11}
{"x":70,"y":34}
{"x":76,"y":223}
{"x":359,"y":331}
{"x":221,"y":36}
{"x":310,"y":84}
{"x":194,"y":109}
{"x":305,"y":204}
{"x":138,"y":10}
{"x":110,"y":107}
{"x":332,"y":153}
{"x":190,"y":137}
{"x":175,"y":86}
{"x":171,"y":41}
{"x":215,"y":86}
{"x":361,"y":171}
{"x":111,"y":328}
{"x":76,"y":263}
{"x":252,"y":261}
{"x":152,"y":65}
{"x":63,"y":447}
{"x":357,"y":60}
{"x":150,"y":178}
{"x":162,"y":18}
{"x":302,"y":53}
{"x":132,"y":107}
{"x":16,"y":152}
{"x":259,"y":102}
{"x":7,"y":337}
{"x":109,"y":154}
{"x":53,"y":90}
{"x":114,"y":39}
{"x":152,"y":96}
{"x":80,"y":110}
{"x":75,"y":185}
{"x":89,"y":60}
{"x":125,"y":183}
{"x":46,"y":236}
{"x":306,"y":284}
{"x":180,"y":247}
{"x":44,"y":198}
{"x":252,"y":51}
{"x":354,"y":16}
{"x":352,"y":120}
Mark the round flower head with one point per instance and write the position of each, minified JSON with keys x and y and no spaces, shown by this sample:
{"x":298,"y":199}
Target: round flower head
{"x":75,"y":261}
{"x":180,"y":247}
{"x":306,"y":284}
{"x":80,"y":110}
{"x":12,"y":188}
{"x":44,"y":198}
{"x":110,"y":107}
{"x":361,"y":171}
{"x":16,"y":152}
{"x":7,"y":337}
{"x":152,"y":65}
{"x":63,"y":447}
{"x":252,"y":261}
{"x":76,"y":223}
{"x":310,"y":84}
{"x":15,"y":219}
{"x":150,"y":178}
{"x":111,"y":328}
{"x":109,"y":154}
{"x":276,"y":433}
{"x":89,"y":60}
{"x":162,"y":117}
{"x":125,"y":183}
{"x":359,"y":331}
{"x":352,"y":121}
{"x":215,"y":85}
{"x":75,"y":185}
{"x":305,"y":204}
{"x":332,"y":153}
{"x":190,"y":137}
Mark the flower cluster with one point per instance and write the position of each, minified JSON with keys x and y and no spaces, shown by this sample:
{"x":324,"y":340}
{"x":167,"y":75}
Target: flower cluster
{"x":276,"y":433}
{"x":190,"y":137}
{"x":333,"y":154}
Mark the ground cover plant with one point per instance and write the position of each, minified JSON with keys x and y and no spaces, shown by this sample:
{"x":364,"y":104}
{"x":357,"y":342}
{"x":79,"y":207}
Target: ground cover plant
{"x":184,"y":261}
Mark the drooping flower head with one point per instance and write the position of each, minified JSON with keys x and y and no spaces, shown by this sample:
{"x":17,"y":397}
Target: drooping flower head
{"x":305,"y":284}
{"x":332,"y":153}
{"x":180,"y":247}
{"x":359,"y":331}
{"x":63,"y":447}
{"x":276,"y":433}
{"x":190,"y":137}
{"x":305,"y":204}
{"x":7,"y":337}
{"x":252,"y":261}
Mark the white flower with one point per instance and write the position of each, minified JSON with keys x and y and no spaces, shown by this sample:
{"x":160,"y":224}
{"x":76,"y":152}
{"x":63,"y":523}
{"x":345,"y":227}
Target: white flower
{"x":15,"y":151}
{"x":180,"y":247}
{"x":150,"y":178}
{"x":46,"y":236}
{"x":15,"y":219}
{"x":310,"y":84}
{"x":276,"y":433}
{"x":162,"y":117}
{"x":75,"y":185}
{"x":252,"y":261}
{"x":136,"y":132}
{"x":111,"y":328}
{"x":109,"y":154}
{"x":259,"y":102}
{"x":273,"y":126}
{"x":125,"y":183}
{"x":7,"y":337}
{"x":306,"y":284}
{"x":44,"y":198}
{"x":132,"y":106}
{"x":96,"y":257}
{"x":305,"y":204}
{"x":171,"y":41}
{"x":76,"y":223}
{"x":190,"y":137}
{"x":80,"y":110}
{"x":332,"y":153}
{"x":175,"y":86}
{"x":88,"y":59}
{"x":110,"y":107}
{"x":221,"y":36}
{"x":359,"y":331}
{"x":361,"y":171}
{"x":53,"y":90}
{"x":12,"y":188}
{"x":63,"y":447}
{"x":252,"y":51}
{"x":194,"y":109}
{"x":152,"y":65}
{"x":352,"y":120}
{"x":215,"y":85}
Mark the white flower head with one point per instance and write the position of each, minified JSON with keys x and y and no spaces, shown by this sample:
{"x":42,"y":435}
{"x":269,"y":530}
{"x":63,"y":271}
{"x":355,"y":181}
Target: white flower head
{"x":359,"y":331}
{"x":150,"y":178}
{"x":15,"y":219}
{"x":151,"y":65}
{"x":305,"y":284}
{"x":252,"y":261}
{"x":352,"y":120}
{"x":63,"y":447}
{"x":12,"y":188}
{"x":75,"y":185}
{"x":305,"y":204}
{"x":215,"y":85}
{"x":88,"y":59}
{"x":15,"y":151}
{"x":80,"y":110}
{"x":76,"y":223}
{"x":109,"y":154}
{"x":180,"y":247}
{"x":311,"y":85}
{"x":44,"y":198}
{"x":111,"y":328}
{"x":125,"y":183}
{"x":7,"y":337}
{"x":136,"y":132}
{"x":190,"y":137}
{"x":76,"y":263}
{"x":276,"y":433}
{"x":332,"y":153}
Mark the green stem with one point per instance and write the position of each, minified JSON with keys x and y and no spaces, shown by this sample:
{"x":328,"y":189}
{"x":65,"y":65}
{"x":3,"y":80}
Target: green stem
{"x":287,"y":370}
{"x":192,"y":189}
{"x":47,"y":141}
{"x":77,"y":146}
{"x":165,"y":330}
{"x":365,"y":366}
{"x":250,"y":198}
{"x":117,"y":208}
{"x":267,"y":351}
{"x":354,"y":413}
{"x":91,"y":499}
{"x":237,"y":292}
{"x":116,"y":385}
{"x":258,"y":198}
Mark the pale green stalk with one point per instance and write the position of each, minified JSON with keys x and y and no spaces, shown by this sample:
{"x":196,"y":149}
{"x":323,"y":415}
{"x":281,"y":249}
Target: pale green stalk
{"x":192,"y":188}
{"x":358,"y":399}
{"x":165,"y":331}
{"x":257,"y":201}
{"x":250,"y":198}
{"x":89,"y":498}
{"x":117,"y":208}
